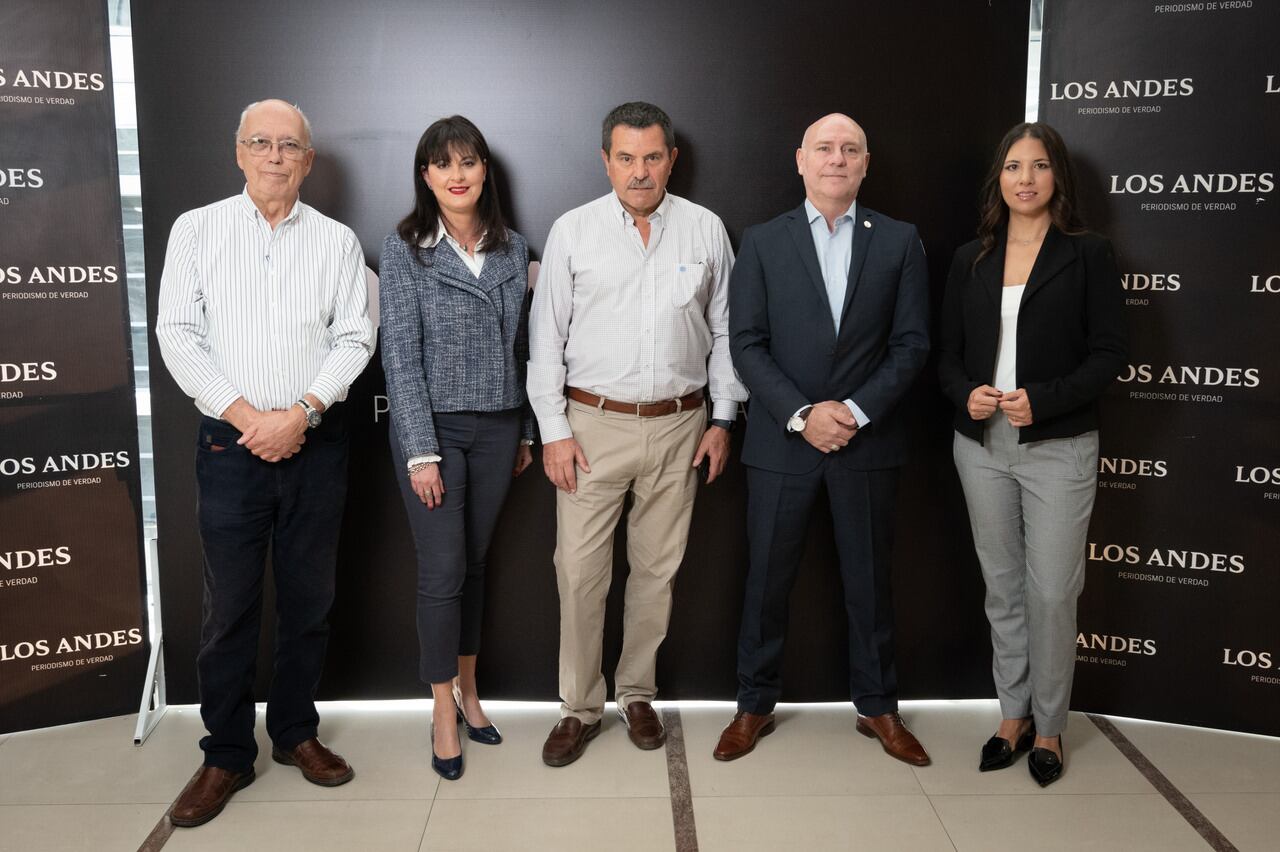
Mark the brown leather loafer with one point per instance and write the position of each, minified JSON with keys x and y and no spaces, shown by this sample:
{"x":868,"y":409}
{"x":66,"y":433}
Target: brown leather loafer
{"x":567,"y":741}
{"x":894,"y":737}
{"x":741,"y":735}
{"x":643,"y":725}
{"x":319,"y":765}
{"x":206,"y":795}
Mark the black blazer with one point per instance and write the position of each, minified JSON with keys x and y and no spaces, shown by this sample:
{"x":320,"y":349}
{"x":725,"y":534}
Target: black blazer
{"x":1072,"y":339}
{"x":786,"y":349}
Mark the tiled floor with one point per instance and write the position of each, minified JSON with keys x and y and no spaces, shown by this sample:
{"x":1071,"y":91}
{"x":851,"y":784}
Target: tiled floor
{"x":813,"y":785}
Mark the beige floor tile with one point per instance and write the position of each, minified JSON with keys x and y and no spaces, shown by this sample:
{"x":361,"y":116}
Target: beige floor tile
{"x":954,"y":731}
{"x":1206,"y":760}
{"x":814,"y":751}
{"x":308,"y":827}
{"x":76,"y":828}
{"x":819,"y":824}
{"x":611,"y":767}
{"x":530,"y":825}
{"x":97,"y":762}
{"x":1054,"y":823}
{"x":1251,"y":821}
{"x":386,"y":744}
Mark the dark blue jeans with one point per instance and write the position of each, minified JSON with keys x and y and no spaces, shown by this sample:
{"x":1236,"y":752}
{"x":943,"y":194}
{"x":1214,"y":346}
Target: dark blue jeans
{"x":247,"y":506}
{"x":478,"y":451}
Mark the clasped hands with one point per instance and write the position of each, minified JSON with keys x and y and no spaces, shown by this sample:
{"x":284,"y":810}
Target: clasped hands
{"x":830,"y":426}
{"x":269,"y":435}
{"x":984,"y":400}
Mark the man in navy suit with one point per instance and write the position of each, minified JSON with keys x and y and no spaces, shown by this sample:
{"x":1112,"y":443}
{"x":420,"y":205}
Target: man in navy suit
{"x":828,"y":322}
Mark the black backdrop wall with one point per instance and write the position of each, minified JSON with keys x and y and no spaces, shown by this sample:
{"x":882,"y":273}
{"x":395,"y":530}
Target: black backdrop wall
{"x":935,"y":85}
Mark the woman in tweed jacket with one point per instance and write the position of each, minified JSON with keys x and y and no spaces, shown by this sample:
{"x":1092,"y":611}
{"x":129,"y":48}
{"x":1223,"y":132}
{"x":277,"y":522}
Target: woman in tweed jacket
{"x":454,"y":290}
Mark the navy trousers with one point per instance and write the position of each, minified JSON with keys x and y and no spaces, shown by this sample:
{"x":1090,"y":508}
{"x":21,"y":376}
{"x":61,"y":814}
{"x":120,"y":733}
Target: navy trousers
{"x":247,"y":507}
{"x":778,"y":508}
{"x":478,"y":452}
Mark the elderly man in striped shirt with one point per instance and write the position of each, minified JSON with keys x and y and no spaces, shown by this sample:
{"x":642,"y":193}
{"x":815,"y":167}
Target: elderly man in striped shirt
{"x":263,"y":320}
{"x":629,"y":327}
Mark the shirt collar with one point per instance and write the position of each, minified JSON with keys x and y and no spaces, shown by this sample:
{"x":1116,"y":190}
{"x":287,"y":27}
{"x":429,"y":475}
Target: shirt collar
{"x":252,"y":210}
{"x":813,"y":214}
{"x":443,"y":234}
{"x":660,"y":212}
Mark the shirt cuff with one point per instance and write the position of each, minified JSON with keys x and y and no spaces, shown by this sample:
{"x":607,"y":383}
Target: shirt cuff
{"x":724,"y":409}
{"x":555,"y":429}
{"x":857,"y":413}
{"x":219,"y":396}
{"x":427,"y":458}
{"x":325,"y":389}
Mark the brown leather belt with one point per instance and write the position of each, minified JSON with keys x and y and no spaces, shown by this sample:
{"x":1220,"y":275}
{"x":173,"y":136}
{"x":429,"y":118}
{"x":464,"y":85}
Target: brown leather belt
{"x":639,"y":409}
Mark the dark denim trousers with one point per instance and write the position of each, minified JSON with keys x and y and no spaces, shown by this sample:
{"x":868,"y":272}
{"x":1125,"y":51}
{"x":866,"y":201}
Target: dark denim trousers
{"x":477,"y":451}
{"x":247,"y":506}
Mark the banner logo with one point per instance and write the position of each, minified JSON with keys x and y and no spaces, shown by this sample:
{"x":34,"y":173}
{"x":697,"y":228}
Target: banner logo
{"x":1122,"y":89}
{"x":19,"y":178}
{"x":58,"y":81}
{"x":1264,"y":284}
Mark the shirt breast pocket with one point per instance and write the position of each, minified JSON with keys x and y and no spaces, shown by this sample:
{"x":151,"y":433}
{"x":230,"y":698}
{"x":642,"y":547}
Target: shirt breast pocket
{"x":689,"y":284}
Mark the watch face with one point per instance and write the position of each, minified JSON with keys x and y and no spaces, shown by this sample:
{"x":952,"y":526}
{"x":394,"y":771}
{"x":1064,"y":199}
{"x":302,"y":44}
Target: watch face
{"x":313,"y":419}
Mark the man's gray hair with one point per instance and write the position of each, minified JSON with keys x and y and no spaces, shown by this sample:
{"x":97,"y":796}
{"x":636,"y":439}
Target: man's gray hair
{"x":306,"y":123}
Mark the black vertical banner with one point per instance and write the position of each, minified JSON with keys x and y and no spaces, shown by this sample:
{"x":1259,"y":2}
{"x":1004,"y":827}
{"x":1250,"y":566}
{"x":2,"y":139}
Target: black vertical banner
{"x":1173,"y":113}
{"x":73,"y":641}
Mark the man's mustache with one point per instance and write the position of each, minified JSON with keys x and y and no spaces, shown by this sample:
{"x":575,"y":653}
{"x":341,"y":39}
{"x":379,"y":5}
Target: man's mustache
{"x":647,"y":183}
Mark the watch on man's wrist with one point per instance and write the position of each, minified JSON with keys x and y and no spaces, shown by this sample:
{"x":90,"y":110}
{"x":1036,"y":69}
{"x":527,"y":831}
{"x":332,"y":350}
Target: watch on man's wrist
{"x":726,"y":425}
{"x":799,"y":420}
{"x":310,"y":412}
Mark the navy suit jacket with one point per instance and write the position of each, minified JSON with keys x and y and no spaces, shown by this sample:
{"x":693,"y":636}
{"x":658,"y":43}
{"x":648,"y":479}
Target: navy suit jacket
{"x":786,"y":349}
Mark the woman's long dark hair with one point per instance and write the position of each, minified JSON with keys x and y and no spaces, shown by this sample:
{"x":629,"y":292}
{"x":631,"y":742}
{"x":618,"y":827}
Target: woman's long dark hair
{"x":444,"y":139}
{"x":1062,"y":207}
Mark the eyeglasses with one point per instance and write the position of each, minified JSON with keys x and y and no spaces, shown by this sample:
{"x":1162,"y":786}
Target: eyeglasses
{"x":290,"y":149}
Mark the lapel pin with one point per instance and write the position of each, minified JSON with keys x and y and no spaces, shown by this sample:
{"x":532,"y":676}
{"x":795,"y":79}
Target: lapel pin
{"x":866,"y":223}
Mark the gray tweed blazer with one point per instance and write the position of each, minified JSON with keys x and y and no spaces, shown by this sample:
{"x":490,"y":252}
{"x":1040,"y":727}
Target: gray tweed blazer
{"x":450,"y":341}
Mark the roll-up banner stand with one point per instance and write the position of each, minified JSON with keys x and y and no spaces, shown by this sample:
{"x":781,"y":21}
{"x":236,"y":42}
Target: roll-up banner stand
{"x":1172,"y":114}
{"x":73,"y":632}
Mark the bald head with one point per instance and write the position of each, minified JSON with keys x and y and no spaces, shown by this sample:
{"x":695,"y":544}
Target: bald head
{"x":832,"y":159}
{"x":828,"y":124}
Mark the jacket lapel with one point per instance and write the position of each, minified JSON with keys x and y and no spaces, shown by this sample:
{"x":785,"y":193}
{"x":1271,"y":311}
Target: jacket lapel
{"x":803,"y":238}
{"x":864,"y":227}
{"x":1055,"y":254}
{"x":990,"y":271}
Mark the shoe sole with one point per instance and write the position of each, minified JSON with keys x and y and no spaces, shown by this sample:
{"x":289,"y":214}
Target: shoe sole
{"x":286,"y":760}
{"x":647,"y":745}
{"x":192,"y":823}
{"x":763,"y":732}
{"x":866,"y":731}
{"x":572,"y":756}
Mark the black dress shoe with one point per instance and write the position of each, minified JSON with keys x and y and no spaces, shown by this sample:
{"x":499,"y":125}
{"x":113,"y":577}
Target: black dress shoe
{"x":1045,"y":766}
{"x":488,"y":735}
{"x":997,"y":754}
{"x":448,"y":768}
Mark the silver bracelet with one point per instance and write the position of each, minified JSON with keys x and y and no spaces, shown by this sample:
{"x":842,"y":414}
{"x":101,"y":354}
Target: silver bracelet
{"x":420,"y":467}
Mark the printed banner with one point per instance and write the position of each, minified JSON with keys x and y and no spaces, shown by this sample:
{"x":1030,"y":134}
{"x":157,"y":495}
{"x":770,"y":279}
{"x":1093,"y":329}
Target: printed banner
{"x":73,"y":636}
{"x":1172,"y":114}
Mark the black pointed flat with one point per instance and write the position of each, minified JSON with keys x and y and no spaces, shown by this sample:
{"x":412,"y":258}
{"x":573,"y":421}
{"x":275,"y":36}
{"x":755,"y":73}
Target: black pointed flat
{"x":997,"y":753}
{"x":1045,"y":766}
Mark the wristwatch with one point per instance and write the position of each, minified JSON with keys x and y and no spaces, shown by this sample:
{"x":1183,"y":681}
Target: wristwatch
{"x":312,"y":415}
{"x":726,"y":425}
{"x":799,"y":420}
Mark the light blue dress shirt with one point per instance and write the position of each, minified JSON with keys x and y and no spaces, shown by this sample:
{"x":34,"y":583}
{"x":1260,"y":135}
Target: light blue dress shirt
{"x":835,"y":252}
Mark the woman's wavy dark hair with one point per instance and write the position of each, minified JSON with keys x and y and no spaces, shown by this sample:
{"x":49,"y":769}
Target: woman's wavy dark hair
{"x":1062,"y":207}
{"x":443,"y":140}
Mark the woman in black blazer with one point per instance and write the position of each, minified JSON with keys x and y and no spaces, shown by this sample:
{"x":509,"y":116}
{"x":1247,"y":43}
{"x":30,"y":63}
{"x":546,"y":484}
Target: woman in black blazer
{"x":454,"y":311}
{"x":1032,"y":333}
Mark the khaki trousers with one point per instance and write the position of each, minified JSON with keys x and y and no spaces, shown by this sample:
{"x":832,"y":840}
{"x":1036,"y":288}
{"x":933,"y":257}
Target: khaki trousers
{"x":651,"y":457}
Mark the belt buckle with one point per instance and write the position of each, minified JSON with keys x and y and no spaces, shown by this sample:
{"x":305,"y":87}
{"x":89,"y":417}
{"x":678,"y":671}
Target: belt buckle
{"x":639,"y":405}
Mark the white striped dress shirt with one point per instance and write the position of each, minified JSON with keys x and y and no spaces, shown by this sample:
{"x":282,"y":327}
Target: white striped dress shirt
{"x":265,"y":314}
{"x":628,"y":322}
